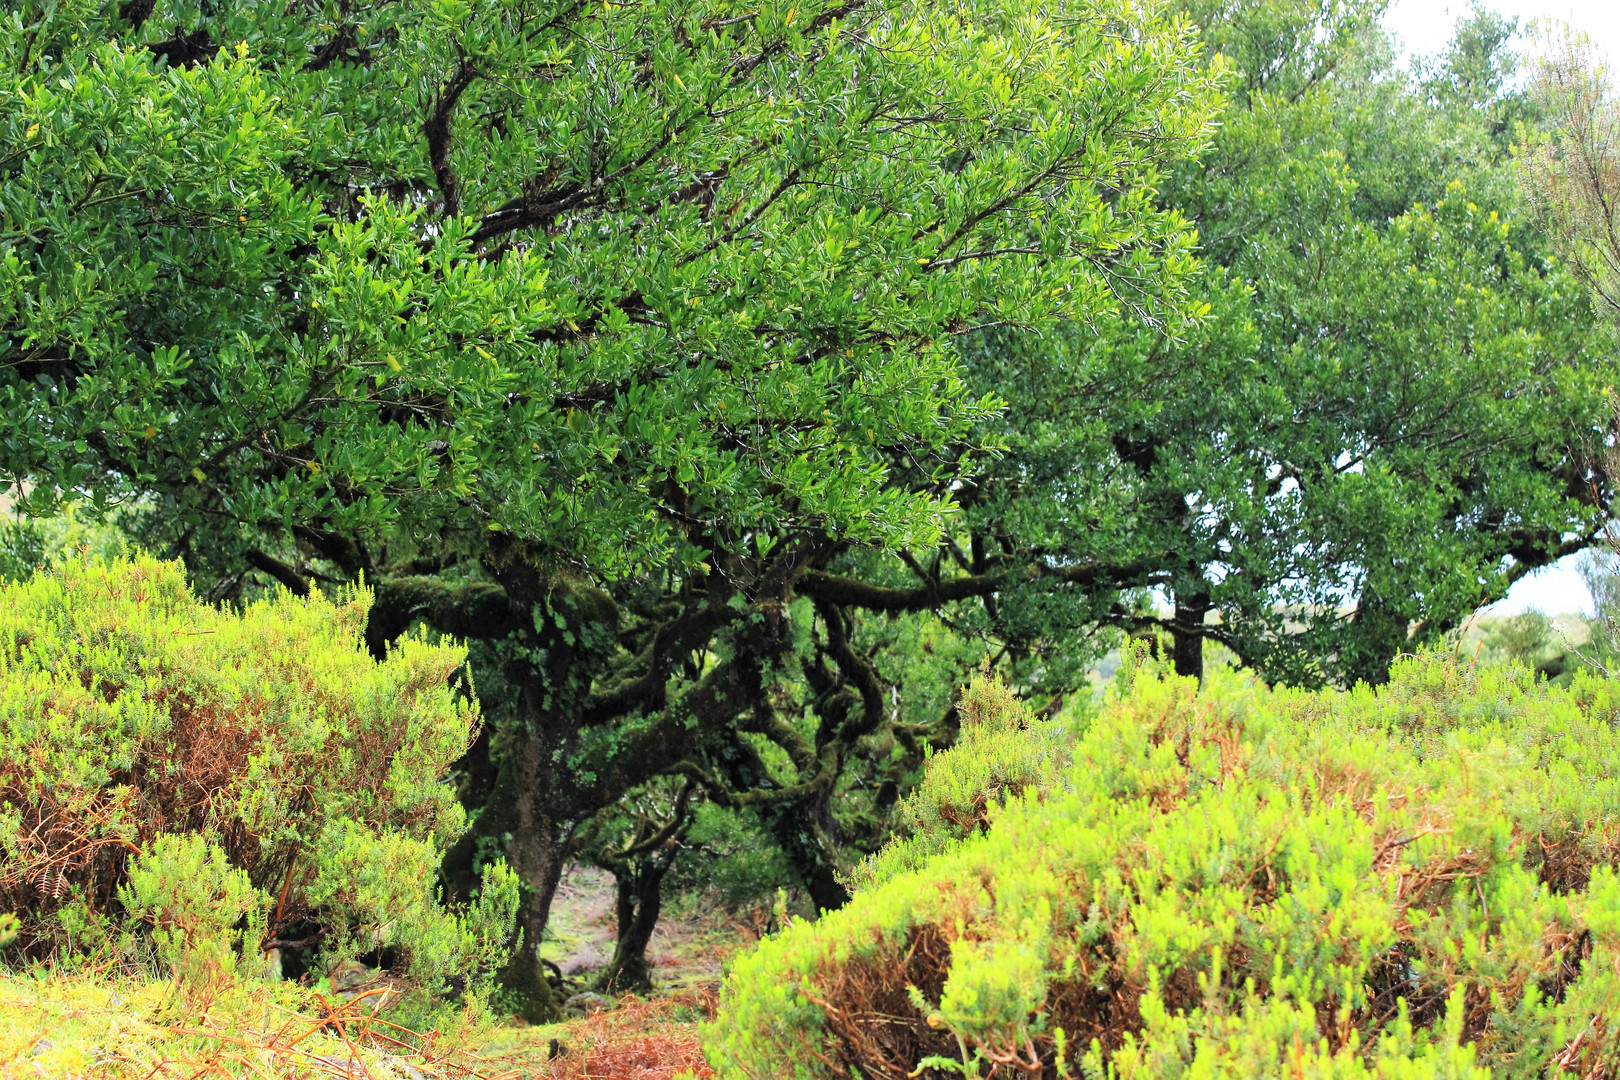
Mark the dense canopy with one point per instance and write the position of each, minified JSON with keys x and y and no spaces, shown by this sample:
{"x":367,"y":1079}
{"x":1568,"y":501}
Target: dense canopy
{"x":580,"y":330}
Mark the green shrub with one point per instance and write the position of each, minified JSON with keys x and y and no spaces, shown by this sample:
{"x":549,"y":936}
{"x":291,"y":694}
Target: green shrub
{"x":190,"y":769}
{"x":1003,"y":751}
{"x":30,"y":544}
{"x":194,"y":901}
{"x":1416,"y":881}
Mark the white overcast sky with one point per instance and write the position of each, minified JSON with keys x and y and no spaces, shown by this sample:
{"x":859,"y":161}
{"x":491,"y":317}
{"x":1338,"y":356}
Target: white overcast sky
{"x":1424,"y":27}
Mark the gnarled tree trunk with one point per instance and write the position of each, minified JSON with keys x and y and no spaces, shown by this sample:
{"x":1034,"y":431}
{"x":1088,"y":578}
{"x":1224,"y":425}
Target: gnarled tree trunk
{"x":639,"y":900}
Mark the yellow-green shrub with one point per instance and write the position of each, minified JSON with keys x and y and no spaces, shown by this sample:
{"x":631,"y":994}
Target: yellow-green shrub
{"x":1004,"y":750}
{"x":194,"y":901}
{"x":1410,"y":882}
{"x":186,"y":769}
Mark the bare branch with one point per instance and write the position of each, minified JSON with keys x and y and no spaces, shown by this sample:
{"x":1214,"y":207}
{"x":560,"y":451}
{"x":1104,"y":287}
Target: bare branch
{"x":437,"y":130}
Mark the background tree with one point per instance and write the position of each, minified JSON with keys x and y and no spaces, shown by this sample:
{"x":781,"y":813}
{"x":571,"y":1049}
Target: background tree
{"x":1388,"y":417}
{"x":582,"y":331}
{"x":1572,"y":171}
{"x":637,"y":841}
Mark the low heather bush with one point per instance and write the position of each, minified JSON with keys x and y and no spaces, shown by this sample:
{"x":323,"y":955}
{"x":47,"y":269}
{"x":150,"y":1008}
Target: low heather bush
{"x":1413,"y":881}
{"x":1004,"y":751}
{"x":209,"y":780}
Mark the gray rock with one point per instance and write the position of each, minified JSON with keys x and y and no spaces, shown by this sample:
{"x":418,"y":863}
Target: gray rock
{"x":587,"y":1003}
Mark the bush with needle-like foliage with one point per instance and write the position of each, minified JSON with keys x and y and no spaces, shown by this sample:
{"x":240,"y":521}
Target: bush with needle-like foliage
{"x":219,"y":782}
{"x":1412,"y":881}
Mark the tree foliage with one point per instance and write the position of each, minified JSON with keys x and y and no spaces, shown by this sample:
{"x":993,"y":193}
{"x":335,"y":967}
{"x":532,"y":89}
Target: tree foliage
{"x":581,"y":330}
{"x":625,"y":253}
{"x":1393,"y":411}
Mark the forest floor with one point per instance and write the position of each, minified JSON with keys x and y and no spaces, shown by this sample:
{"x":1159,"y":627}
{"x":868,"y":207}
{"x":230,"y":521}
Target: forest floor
{"x":652,"y":1038}
{"x":626,"y":1038}
{"x":689,"y":946}
{"x":62,"y":1025}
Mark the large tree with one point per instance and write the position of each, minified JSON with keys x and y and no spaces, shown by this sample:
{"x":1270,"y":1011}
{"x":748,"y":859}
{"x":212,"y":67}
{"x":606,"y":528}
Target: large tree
{"x":1393,"y":411}
{"x":584,"y":331}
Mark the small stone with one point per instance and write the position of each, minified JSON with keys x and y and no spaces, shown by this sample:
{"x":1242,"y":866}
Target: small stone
{"x":588,"y":1003}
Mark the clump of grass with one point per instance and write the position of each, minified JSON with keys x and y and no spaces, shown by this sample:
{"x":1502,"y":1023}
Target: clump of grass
{"x":57,"y":1025}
